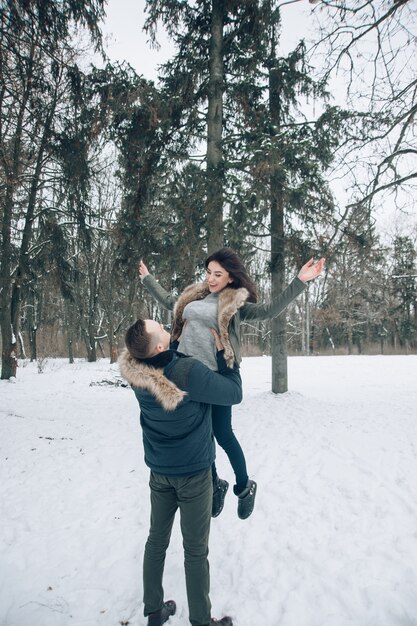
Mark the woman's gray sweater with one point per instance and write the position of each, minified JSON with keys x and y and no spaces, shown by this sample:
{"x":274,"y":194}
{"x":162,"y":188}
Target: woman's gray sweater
{"x":196,"y":338}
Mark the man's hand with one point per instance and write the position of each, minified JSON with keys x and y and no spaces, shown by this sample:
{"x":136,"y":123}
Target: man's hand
{"x":309,"y":271}
{"x":143,"y":270}
{"x":219,"y":345}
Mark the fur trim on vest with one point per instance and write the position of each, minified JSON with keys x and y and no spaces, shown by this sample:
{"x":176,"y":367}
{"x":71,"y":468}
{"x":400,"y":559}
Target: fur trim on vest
{"x":230,"y":300}
{"x":143,"y":376}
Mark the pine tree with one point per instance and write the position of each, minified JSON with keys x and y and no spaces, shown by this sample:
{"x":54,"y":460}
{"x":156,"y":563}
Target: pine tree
{"x":34,"y":51}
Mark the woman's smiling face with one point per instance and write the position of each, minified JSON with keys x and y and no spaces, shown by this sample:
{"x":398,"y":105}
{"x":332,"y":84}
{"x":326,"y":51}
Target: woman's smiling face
{"x":217,"y":277}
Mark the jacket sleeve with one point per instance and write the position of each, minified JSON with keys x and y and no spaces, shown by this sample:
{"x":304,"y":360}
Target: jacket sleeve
{"x":221,"y":362}
{"x":162,"y":296}
{"x":269,"y":310}
{"x":210,"y":387}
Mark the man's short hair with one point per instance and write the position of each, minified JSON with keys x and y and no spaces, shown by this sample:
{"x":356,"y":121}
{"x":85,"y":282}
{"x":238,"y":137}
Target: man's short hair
{"x":138,"y":341}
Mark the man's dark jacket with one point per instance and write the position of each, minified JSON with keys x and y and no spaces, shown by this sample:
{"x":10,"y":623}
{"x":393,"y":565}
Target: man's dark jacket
{"x":175,"y":394}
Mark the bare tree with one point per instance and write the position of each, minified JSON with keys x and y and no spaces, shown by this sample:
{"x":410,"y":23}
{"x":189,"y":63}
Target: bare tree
{"x":371,"y":46}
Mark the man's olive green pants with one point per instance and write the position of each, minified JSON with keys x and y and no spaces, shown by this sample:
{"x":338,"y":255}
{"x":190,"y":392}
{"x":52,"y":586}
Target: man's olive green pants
{"x":192,"y":495}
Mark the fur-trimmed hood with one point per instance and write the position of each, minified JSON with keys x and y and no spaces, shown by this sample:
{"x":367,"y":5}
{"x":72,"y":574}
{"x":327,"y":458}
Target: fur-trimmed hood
{"x":230,"y":300}
{"x":144,"y":376}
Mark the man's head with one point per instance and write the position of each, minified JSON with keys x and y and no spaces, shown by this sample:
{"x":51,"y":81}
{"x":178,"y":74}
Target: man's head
{"x":146,"y":338}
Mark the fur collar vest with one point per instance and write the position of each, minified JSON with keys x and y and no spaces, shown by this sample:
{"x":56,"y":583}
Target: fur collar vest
{"x":230,"y":300}
{"x":142,"y":375}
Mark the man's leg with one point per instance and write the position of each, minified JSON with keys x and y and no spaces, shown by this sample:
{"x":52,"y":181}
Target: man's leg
{"x":163,"y":508}
{"x":194,"y":495}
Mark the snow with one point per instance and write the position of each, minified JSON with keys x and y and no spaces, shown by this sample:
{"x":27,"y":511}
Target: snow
{"x":332,"y":540}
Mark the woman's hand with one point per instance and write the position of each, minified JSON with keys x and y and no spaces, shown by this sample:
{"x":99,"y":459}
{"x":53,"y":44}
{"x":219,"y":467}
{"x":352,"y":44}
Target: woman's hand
{"x":219,"y":345}
{"x":143,"y":270}
{"x":311,"y":270}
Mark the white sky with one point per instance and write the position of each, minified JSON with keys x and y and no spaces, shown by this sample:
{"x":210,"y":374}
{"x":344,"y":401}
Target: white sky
{"x":127,"y":41}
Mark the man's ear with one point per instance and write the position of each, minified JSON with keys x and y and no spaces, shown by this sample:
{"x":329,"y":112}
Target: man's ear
{"x":159,"y":348}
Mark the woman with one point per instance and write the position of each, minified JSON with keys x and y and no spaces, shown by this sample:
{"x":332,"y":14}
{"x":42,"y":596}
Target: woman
{"x":227,"y":297}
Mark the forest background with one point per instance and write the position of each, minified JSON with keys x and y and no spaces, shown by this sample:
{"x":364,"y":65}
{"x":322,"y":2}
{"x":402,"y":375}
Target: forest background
{"x":282,"y":156}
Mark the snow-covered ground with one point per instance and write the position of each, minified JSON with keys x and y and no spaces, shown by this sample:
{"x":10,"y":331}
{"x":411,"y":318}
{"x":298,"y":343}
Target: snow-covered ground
{"x":332,"y":540}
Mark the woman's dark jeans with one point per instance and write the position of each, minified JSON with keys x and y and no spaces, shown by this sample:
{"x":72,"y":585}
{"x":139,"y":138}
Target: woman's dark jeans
{"x":225,"y":437}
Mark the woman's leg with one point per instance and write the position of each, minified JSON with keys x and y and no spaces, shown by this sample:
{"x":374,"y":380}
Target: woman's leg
{"x":225,"y":437}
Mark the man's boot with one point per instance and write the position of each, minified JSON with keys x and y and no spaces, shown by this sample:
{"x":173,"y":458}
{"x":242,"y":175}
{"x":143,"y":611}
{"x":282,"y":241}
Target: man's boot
{"x":160,"y":617}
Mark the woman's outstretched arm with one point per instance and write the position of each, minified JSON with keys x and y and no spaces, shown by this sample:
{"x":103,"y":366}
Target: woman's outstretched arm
{"x":269,"y":310}
{"x":162,"y":296}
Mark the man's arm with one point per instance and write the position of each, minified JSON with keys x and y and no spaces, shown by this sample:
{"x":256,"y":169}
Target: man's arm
{"x":210,"y":387}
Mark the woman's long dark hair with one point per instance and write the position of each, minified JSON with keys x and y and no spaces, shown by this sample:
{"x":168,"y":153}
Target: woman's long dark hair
{"x":230,"y":261}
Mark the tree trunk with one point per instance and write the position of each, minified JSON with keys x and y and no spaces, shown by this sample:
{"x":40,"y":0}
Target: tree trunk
{"x":114,"y":353}
{"x":32,"y":342}
{"x":69,"y":325}
{"x":279,"y":324}
{"x":9,"y":359}
{"x":70,"y":345}
{"x":31,"y":320}
{"x":15,"y":307}
{"x":111,"y":330}
{"x":22,"y":350}
{"x":100,"y":346}
{"x":91,"y":344}
{"x":349,"y":332}
{"x":307,"y":307}
{"x":91,"y":332}
{"x":215,"y":165}
{"x":112,"y":336}
{"x":8,"y":356}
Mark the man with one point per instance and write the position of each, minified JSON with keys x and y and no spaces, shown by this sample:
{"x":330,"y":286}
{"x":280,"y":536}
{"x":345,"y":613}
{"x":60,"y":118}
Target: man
{"x":175,"y":393}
